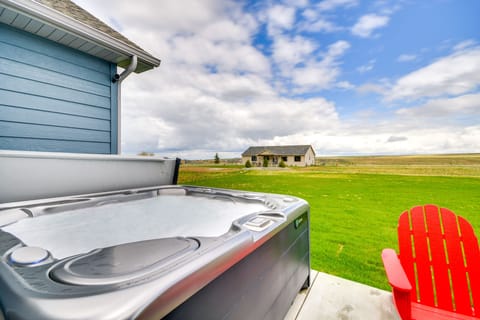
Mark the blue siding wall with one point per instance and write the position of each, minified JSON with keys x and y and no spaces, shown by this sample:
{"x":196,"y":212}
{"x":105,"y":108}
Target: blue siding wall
{"x":54,"y":98}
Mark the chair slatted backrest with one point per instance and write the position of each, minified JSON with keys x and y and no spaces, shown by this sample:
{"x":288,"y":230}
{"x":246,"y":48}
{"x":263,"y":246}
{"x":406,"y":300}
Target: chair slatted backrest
{"x":441,"y":257}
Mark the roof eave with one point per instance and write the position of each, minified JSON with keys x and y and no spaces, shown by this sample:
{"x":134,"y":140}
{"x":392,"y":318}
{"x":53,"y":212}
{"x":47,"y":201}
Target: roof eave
{"x":52,"y":17}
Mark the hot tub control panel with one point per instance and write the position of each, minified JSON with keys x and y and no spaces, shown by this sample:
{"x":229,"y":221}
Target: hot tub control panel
{"x":258,"y":223}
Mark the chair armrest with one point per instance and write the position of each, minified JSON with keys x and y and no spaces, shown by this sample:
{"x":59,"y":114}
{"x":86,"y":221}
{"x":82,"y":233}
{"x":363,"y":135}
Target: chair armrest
{"x":395,"y":273}
{"x":399,"y":282}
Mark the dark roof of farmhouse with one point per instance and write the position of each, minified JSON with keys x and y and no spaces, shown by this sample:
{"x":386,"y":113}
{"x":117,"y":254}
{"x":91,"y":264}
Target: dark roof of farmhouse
{"x":277,"y":150}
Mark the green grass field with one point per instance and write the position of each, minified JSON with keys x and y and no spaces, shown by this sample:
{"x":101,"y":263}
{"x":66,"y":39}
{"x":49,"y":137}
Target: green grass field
{"x":355,"y":202}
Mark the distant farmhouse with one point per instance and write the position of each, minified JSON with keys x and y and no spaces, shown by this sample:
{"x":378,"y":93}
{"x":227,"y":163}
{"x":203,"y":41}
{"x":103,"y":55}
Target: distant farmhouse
{"x":59,"y":86}
{"x":291,"y":155}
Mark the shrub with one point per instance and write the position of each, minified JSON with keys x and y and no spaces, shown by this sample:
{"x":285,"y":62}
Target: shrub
{"x":248,"y":164}
{"x":265,"y":162}
{"x":282,"y":164}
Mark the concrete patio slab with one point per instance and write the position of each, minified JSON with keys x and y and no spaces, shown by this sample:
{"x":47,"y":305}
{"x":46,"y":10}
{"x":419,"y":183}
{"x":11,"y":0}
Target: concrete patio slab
{"x":331,"y":297}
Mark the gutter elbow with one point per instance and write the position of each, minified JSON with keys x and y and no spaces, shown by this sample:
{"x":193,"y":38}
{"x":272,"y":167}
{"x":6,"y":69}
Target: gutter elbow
{"x":131,"y":67}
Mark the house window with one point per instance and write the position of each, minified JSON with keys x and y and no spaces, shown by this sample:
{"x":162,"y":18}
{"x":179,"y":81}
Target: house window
{"x":254,"y":158}
{"x":284,"y":159}
{"x":298,"y":158}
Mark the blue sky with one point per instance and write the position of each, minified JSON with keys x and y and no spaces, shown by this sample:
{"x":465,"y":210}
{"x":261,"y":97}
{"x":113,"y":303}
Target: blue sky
{"x":350,"y":77}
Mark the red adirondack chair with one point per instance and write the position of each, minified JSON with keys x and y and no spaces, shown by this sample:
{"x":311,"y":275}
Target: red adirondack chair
{"x":437,"y":273}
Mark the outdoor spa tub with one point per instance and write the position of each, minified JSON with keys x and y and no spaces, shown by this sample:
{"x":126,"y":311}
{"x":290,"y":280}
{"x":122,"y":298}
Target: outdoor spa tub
{"x":145,"y":252}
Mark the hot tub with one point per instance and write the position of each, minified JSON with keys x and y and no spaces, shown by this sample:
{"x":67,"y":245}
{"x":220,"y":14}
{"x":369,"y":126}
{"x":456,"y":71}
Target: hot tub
{"x":170,"y":251}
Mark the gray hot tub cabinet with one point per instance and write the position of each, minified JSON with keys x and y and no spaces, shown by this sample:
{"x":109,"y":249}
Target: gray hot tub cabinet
{"x":263,"y":285}
{"x":149,"y":250}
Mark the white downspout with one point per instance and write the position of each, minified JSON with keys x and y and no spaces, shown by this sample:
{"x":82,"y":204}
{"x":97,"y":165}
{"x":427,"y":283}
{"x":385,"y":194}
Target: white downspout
{"x":119,"y":78}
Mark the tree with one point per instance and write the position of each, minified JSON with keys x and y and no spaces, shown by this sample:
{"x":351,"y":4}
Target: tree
{"x":217,"y":158}
{"x":146,"y":154}
{"x":248,"y":164}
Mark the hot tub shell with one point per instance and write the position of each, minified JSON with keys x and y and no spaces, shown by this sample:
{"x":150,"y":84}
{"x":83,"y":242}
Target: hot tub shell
{"x":251,"y":267}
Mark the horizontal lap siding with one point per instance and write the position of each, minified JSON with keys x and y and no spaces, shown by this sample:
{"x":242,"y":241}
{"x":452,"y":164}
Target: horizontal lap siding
{"x":53,"y":98}
{"x":42,"y":145}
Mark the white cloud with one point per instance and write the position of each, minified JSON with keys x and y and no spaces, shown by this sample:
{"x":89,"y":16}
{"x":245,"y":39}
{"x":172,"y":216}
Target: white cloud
{"x":447,"y":108}
{"x":152,"y":15}
{"x":319,"y":18}
{"x":320,"y":25}
{"x":396,"y":138}
{"x":464,"y":45}
{"x":314,"y":76}
{"x":367,"y":67}
{"x":212,"y":90}
{"x":229,"y":56}
{"x":455,"y":74}
{"x":188,"y":118}
{"x":328,"y":5}
{"x":387,"y":7}
{"x":216,"y":92}
{"x":407,"y":141}
{"x":280,"y":18}
{"x":298,"y":3}
{"x":181,"y":109}
{"x":310,"y":14}
{"x":225,"y":30}
{"x":371,"y":87}
{"x":319,"y":75}
{"x":337,"y":49}
{"x":406,"y":57}
{"x":367,"y":24}
{"x":344,"y":85}
{"x":292,"y":50}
